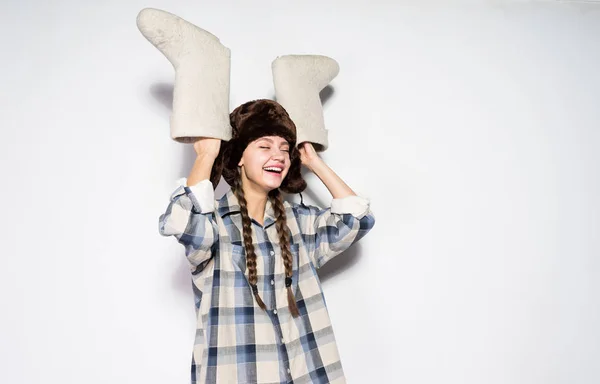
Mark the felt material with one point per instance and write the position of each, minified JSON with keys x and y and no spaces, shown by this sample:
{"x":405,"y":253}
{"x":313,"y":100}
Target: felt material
{"x":202,"y":75}
{"x":298,"y":79}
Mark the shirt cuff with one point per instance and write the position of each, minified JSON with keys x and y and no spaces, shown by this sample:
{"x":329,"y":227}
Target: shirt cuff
{"x":201,"y":194}
{"x":355,"y":205}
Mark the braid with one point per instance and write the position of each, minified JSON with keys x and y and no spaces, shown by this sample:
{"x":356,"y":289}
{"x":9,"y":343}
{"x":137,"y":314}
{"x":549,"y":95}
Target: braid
{"x":247,"y":235}
{"x":284,"y":242}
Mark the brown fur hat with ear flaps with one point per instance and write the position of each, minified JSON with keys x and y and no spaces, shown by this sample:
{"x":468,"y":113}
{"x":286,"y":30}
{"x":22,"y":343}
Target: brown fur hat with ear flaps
{"x":250,"y":121}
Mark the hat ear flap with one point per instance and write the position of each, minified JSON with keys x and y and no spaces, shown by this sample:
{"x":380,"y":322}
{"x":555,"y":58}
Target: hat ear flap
{"x":231,"y":156}
{"x":293,"y":182}
{"x":221,"y":166}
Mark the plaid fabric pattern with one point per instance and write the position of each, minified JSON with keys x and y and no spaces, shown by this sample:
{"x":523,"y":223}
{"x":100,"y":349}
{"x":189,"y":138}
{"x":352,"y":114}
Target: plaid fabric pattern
{"x":237,"y":341}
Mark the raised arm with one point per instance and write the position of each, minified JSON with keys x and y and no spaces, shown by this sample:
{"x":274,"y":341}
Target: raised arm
{"x":189,"y":216}
{"x":328,"y":232}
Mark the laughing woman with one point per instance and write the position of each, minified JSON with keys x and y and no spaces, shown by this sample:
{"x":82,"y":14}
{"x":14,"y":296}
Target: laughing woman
{"x":261,"y":312}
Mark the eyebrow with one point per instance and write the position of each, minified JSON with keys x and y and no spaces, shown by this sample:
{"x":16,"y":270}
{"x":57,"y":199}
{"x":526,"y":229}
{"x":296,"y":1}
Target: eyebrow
{"x":271,"y":140}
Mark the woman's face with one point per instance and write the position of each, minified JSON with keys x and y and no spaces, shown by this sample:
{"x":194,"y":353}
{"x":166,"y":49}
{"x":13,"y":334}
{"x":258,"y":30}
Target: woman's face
{"x":265,"y":163}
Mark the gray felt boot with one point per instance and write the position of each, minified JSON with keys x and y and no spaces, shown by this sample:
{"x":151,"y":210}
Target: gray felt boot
{"x":298,"y":79}
{"x":202,"y":75}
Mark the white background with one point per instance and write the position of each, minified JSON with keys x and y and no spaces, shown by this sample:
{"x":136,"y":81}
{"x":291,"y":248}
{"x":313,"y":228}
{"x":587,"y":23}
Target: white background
{"x":473,"y":127}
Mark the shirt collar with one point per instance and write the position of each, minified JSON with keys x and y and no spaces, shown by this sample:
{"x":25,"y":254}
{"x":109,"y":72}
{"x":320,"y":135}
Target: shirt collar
{"x":229,"y":204}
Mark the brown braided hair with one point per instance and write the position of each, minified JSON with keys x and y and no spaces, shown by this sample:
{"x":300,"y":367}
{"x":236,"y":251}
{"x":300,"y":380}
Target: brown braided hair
{"x":284,"y":240}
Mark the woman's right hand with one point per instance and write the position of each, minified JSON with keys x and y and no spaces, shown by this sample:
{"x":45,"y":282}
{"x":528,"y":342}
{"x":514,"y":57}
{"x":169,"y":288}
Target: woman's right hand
{"x":207,"y":150}
{"x":207,"y":146}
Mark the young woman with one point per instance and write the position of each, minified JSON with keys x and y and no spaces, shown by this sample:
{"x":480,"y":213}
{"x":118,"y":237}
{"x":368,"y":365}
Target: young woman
{"x":261,"y":312}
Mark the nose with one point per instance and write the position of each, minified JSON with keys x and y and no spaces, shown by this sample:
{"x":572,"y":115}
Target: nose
{"x":278,"y":154}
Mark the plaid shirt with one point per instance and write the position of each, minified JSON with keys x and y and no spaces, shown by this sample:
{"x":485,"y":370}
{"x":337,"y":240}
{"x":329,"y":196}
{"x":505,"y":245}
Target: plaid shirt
{"x":236,"y":341}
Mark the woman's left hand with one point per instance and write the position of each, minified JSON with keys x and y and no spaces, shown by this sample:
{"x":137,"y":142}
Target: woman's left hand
{"x":308,"y":155}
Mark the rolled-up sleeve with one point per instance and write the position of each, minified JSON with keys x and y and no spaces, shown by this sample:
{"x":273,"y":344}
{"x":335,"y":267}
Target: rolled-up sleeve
{"x":329,"y":232}
{"x":189,"y":218}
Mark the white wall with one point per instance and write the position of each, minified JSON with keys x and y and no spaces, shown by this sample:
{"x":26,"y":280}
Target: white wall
{"x":474,"y":129}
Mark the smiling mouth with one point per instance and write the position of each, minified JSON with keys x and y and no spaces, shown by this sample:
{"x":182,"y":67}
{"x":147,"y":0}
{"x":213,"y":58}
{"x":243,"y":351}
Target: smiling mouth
{"x":273,"y":170}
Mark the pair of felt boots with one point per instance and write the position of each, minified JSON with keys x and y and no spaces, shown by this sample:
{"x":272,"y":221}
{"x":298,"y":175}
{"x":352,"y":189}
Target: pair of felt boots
{"x":202,"y":81}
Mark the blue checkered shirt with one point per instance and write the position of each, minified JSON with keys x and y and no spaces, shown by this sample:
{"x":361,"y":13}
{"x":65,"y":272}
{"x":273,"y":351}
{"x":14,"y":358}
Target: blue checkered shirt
{"x":236,"y":341}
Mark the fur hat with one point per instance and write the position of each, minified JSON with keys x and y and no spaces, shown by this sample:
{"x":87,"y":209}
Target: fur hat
{"x":250,"y":121}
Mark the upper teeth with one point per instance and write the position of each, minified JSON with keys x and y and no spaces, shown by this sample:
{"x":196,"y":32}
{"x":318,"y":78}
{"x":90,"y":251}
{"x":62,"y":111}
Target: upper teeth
{"x":273,"y":169}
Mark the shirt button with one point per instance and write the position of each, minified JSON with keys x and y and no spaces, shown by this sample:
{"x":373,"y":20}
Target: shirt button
{"x":272,"y":281}
{"x":289,"y":371}
{"x":272,"y":253}
{"x":275,"y":311}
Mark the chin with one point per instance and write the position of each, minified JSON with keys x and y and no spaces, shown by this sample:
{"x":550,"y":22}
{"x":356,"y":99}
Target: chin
{"x":270,"y":184}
